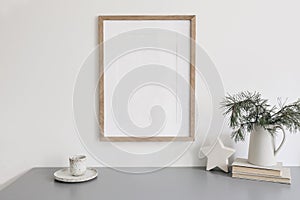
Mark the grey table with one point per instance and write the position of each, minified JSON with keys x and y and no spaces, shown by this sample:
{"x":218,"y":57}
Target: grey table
{"x":170,"y":183}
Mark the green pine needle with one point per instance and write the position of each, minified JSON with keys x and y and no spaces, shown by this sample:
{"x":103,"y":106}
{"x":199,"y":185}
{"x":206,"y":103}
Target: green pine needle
{"x":247,"y":110}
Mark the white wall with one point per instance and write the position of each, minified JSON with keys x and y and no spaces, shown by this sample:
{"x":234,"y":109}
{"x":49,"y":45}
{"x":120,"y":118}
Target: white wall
{"x":254,"y":44}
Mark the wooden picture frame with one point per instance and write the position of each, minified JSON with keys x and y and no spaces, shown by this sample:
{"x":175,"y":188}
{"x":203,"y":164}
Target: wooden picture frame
{"x":192,"y":31}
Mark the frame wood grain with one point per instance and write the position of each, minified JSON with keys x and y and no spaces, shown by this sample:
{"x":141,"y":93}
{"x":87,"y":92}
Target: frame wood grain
{"x":192,"y":19}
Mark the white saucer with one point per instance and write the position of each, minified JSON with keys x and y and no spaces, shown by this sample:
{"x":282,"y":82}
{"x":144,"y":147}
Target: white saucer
{"x":64,"y":175}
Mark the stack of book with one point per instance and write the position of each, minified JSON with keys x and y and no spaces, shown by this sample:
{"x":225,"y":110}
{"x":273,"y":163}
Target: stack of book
{"x":244,"y":170}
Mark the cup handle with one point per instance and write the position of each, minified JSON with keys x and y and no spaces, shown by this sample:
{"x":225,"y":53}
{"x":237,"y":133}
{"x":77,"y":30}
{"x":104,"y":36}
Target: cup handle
{"x":283,"y":140}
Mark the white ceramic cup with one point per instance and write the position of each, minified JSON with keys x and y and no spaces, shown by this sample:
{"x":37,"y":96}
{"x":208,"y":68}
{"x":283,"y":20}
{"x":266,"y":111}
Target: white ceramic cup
{"x":77,"y":165}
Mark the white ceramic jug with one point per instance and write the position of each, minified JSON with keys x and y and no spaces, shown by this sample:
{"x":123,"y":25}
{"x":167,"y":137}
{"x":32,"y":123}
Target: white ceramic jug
{"x":262,"y":149}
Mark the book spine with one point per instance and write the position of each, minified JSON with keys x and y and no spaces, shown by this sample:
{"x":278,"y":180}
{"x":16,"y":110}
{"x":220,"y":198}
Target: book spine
{"x":253,"y":171}
{"x":261,"y":178}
